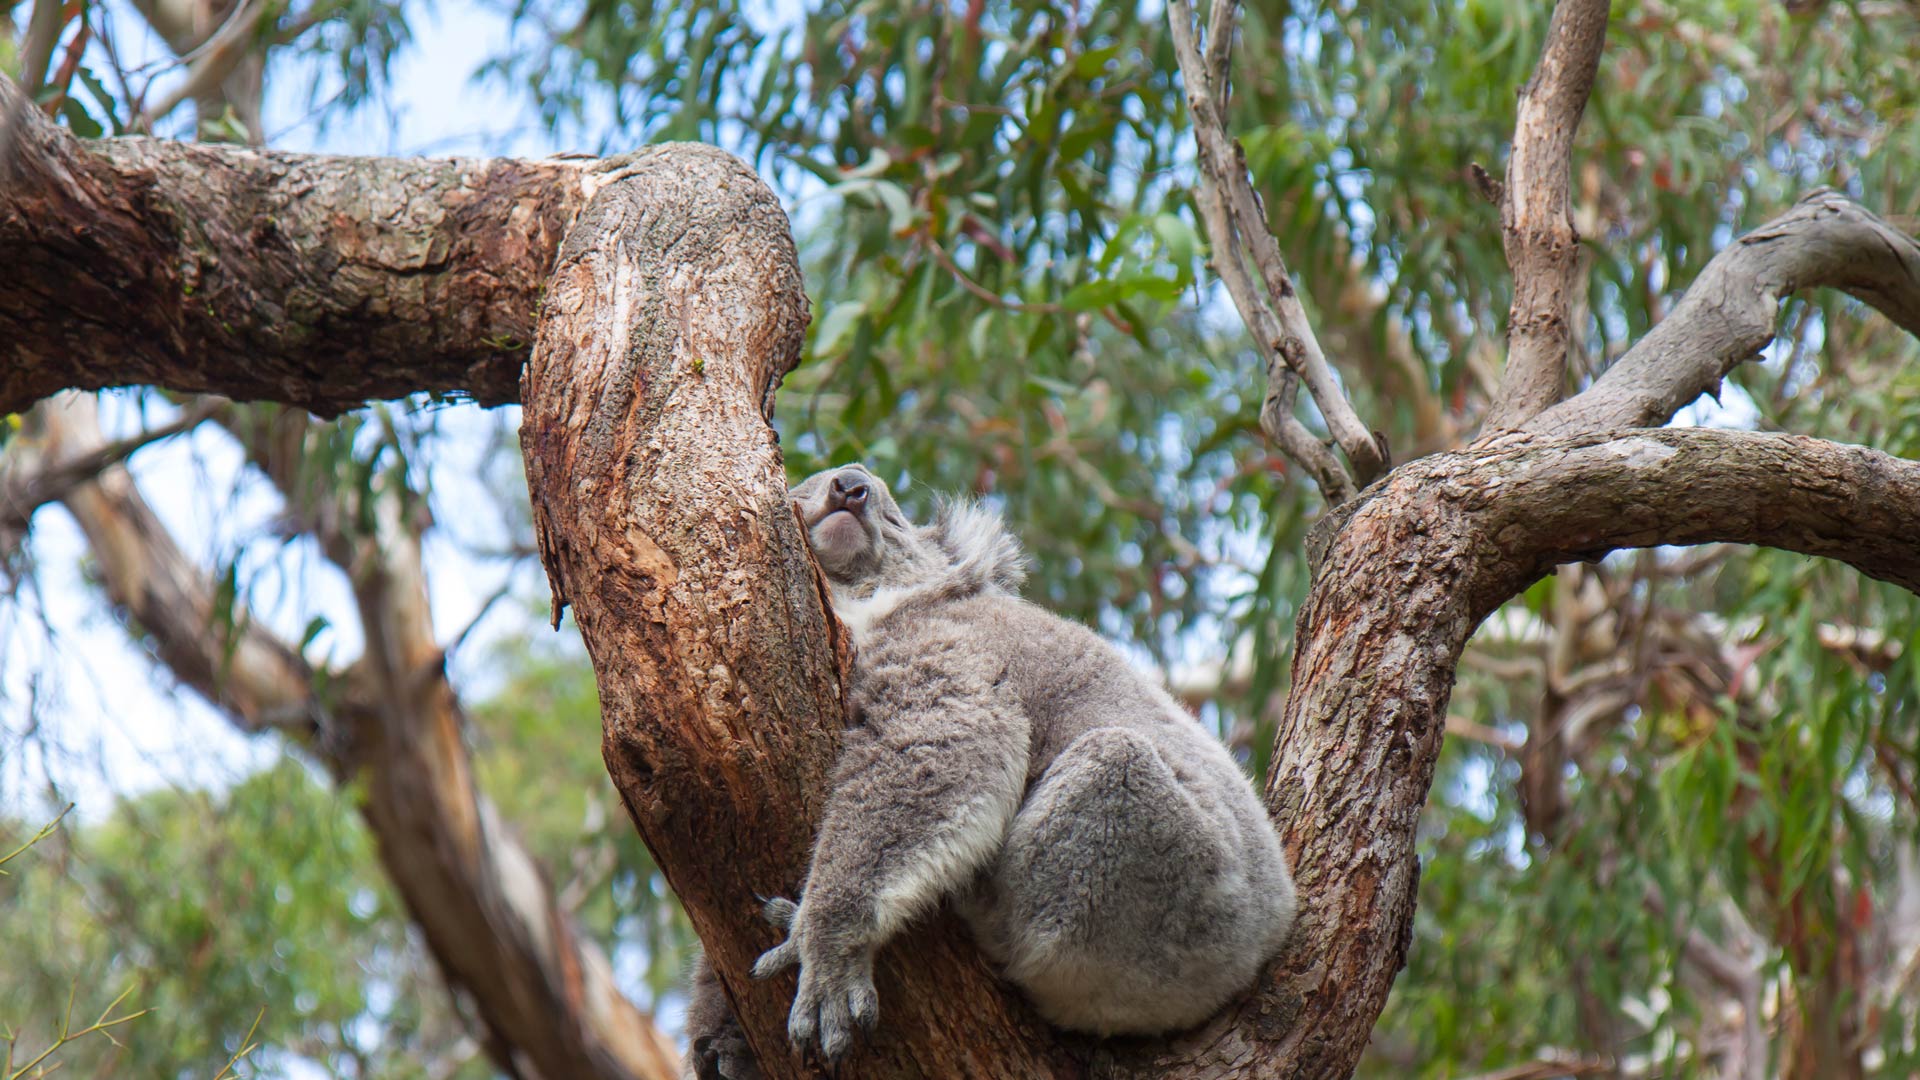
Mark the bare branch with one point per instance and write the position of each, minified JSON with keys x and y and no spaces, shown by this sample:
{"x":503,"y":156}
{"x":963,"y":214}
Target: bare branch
{"x":1283,"y":385}
{"x":1728,"y":314}
{"x":1738,"y":977}
{"x":1536,"y":216}
{"x":247,"y":671}
{"x":209,"y":63}
{"x":24,"y":491}
{"x":36,"y":49}
{"x":1236,"y":224}
{"x":1361,"y":730}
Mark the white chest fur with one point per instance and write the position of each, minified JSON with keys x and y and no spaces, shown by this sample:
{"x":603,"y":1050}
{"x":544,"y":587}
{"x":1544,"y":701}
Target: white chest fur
{"x":859,"y":614}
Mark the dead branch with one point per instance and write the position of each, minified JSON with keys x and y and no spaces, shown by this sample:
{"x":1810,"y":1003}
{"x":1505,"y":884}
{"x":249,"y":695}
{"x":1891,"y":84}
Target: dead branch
{"x":1237,"y":228}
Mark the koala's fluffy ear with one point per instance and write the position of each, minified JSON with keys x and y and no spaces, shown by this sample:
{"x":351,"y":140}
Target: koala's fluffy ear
{"x":976,"y":539}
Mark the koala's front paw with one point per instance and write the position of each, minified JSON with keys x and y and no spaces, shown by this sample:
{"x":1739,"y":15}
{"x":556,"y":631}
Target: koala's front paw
{"x":836,"y":985}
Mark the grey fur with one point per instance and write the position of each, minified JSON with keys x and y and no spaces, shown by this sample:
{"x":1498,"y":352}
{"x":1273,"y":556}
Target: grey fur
{"x":1107,"y":852}
{"x":716,"y":1046}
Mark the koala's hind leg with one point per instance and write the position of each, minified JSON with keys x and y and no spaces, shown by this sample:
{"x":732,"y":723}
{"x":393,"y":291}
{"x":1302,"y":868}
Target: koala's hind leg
{"x":1122,"y":903}
{"x":716,"y":1047}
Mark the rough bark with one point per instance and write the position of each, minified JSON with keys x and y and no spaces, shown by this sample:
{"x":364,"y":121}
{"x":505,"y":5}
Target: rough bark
{"x":675,"y":309}
{"x":1407,"y":574}
{"x":544,"y":994}
{"x":1536,"y":213}
{"x":1727,"y":315}
{"x":316,"y":281}
{"x":1276,"y":318}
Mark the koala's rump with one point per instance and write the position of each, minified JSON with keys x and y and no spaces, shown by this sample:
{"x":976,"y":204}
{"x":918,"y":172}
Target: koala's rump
{"x":1140,"y":885}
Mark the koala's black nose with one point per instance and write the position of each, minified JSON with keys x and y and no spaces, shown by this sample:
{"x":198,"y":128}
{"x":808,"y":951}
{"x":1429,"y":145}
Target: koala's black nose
{"x":849,"y":491}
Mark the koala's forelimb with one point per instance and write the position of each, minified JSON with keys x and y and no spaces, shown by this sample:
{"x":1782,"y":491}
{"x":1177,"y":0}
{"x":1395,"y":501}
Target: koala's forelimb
{"x":923,"y":794}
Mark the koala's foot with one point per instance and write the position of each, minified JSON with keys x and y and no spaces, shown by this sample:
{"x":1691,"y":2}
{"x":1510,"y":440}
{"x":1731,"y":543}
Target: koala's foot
{"x":836,"y":993}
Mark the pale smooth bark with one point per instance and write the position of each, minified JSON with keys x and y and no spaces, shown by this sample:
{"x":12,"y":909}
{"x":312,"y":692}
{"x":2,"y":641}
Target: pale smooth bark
{"x":1728,"y":313}
{"x":1237,"y":228}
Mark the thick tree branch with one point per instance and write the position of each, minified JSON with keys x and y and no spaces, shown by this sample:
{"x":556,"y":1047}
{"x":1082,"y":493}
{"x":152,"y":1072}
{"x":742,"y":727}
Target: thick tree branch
{"x":1536,"y":216}
{"x":1728,"y":314}
{"x":661,"y":510}
{"x":1447,"y":539}
{"x":545,"y":993}
{"x":661,"y":507}
{"x":316,"y":281}
{"x":1237,"y":227}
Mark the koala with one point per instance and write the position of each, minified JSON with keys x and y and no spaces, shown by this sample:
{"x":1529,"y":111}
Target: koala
{"x":1108,"y":854}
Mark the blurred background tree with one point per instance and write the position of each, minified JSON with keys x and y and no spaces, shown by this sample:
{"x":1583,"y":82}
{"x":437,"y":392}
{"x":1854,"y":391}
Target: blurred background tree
{"x":1659,"y":840}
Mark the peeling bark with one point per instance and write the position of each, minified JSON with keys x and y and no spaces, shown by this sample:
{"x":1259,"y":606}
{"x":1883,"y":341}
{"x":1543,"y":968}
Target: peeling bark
{"x":661,"y":505}
{"x":674,"y":310}
{"x":1728,"y":313}
{"x":662,"y":514}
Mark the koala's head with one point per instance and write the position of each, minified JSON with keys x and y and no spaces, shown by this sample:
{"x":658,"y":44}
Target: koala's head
{"x":865,"y":543}
{"x":858,"y":532}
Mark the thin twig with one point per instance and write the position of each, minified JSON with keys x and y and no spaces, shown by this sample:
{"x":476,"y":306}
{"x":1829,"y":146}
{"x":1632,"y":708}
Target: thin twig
{"x":21,"y":496}
{"x":247,"y":1046}
{"x":45,"y":831}
{"x":67,"y":1034}
{"x":946,"y":263}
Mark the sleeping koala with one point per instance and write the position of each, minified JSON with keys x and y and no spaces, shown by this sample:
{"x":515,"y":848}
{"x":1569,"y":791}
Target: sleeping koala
{"x":1108,"y":854}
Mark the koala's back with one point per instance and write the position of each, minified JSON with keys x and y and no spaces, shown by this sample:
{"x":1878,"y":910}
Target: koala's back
{"x":1141,"y":883}
{"x":1070,"y":680}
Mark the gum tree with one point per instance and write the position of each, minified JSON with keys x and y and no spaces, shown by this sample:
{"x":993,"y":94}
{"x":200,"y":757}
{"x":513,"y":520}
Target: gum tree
{"x":662,"y":294}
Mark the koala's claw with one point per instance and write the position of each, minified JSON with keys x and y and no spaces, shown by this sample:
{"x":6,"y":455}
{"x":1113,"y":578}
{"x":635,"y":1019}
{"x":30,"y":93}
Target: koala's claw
{"x":836,"y":995}
{"x":777,"y":959}
{"x":832,"y":1004}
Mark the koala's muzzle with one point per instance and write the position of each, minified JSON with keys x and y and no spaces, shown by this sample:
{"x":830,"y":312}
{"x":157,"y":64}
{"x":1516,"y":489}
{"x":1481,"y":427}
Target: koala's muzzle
{"x":848,"y":491}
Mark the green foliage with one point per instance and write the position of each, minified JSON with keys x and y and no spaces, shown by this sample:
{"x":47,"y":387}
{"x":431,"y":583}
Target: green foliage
{"x":266,"y":897}
{"x":269,"y":896}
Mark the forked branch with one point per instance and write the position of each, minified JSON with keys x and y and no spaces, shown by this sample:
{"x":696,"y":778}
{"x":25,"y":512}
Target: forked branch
{"x":1536,"y":213}
{"x":1237,"y":229}
{"x":1728,"y":314}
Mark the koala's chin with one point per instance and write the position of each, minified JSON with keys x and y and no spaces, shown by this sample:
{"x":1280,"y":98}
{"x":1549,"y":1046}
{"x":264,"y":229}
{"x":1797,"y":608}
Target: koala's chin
{"x":839,"y":539}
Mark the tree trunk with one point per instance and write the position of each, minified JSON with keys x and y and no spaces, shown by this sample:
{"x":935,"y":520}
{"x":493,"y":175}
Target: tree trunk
{"x":661,"y":505}
{"x":544,"y":993}
{"x":662,"y":513}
